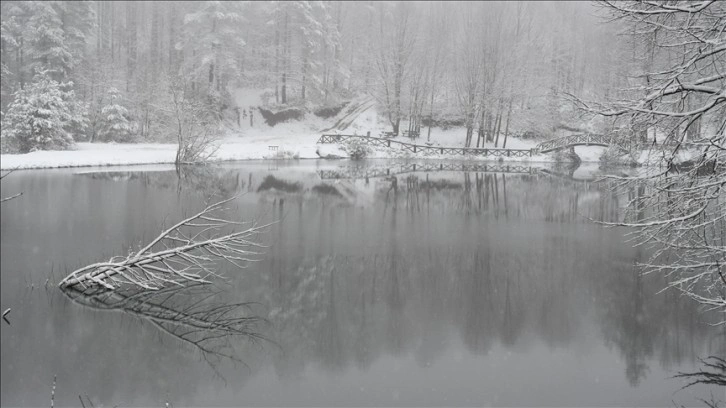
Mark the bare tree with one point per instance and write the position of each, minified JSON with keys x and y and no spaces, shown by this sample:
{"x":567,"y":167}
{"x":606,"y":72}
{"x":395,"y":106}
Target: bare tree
{"x":194,"y":125}
{"x":394,"y":57}
{"x":185,"y":252}
{"x":680,"y":206}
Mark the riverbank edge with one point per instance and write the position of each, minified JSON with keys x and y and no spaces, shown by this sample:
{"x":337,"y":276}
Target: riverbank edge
{"x":113,"y":155}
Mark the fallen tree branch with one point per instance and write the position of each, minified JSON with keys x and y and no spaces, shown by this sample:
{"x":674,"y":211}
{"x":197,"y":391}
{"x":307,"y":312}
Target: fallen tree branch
{"x":2,"y":176}
{"x":186,"y":252}
{"x":2,"y":200}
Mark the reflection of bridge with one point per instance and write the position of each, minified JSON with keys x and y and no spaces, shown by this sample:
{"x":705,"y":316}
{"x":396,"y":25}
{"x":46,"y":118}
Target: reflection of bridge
{"x":427,"y":150}
{"x":363,"y":172}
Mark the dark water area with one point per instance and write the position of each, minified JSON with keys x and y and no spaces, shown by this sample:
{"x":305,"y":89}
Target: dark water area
{"x":380,"y":285}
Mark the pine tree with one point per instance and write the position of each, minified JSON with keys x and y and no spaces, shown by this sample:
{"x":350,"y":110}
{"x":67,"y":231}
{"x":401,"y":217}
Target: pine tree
{"x":43,"y":115}
{"x":47,"y":41}
{"x":116,"y":123}
{"x":212,"y":39}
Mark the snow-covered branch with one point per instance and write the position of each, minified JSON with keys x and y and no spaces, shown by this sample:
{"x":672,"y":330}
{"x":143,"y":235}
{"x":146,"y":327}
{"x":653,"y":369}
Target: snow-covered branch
{"x":186,"y":252}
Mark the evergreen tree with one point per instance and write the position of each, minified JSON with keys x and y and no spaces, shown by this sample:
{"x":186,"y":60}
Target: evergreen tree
{"x":47,"y":41}
{"x":117,"y":125}
{"x":43,"y":115}
{"x":212,"y":38}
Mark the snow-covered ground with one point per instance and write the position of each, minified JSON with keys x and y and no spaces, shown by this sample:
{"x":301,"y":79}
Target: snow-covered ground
{"x":283,"y":141}
{"x":295,"y":140}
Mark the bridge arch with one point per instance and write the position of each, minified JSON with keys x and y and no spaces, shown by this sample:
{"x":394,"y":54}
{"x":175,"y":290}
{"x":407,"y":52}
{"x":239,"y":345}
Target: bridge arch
{"x":581,"y":139}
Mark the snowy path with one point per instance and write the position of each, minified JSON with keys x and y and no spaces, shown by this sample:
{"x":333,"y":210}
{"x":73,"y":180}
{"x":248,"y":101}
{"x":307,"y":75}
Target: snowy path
{"x":353,"y":112}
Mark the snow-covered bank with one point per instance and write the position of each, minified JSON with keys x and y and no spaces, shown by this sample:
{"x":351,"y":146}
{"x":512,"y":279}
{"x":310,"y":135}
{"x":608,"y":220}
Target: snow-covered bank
{"x":299,"y":146}
{"x":286,"y":143}
{"x":105,"y":154}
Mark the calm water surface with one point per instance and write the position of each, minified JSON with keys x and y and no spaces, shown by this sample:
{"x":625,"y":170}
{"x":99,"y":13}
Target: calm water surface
{"x":486,"y":286}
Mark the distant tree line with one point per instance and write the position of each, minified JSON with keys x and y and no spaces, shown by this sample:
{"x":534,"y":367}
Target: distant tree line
{"x":495,"y":68}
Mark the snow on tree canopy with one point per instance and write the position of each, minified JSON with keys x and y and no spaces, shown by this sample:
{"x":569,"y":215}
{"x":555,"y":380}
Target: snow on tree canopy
{"x":43,"y":115}
{"x":116,"y":123}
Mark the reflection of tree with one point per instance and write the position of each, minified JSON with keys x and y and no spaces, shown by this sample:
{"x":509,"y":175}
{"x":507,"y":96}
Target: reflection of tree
{"x":713,"y":371}
{"x":478,"y":331}
{"x":513,"y":318}
{"x":209,"y":180}
{"x":370,"y":282}
{"x":188,"y":313}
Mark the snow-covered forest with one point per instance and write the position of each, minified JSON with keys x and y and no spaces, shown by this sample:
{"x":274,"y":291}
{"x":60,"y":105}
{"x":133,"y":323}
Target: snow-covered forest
{"x":500,"y":193}
{"x":106,"y":71}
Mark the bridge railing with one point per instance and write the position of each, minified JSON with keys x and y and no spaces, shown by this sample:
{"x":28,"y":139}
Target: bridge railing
{"x":580,"y":139}
{"x":599,"y":140}
{"x":426,"y":150}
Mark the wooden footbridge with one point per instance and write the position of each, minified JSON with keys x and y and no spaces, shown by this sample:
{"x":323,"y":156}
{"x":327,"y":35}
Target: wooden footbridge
{"x":426,"y":150}
{"x":580,"y":139}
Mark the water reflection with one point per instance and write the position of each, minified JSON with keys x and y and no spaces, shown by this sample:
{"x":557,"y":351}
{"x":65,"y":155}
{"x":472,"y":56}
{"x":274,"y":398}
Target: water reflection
{"x":428,"y":265}
{"x":190,"y":313}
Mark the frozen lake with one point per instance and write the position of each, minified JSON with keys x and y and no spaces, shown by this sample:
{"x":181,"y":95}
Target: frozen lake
{"x":441,"y":288}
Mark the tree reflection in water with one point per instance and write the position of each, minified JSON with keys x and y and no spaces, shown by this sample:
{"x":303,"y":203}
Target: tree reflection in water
{"x":419,"y":263}
{"x":190,"y":314}
{"x":500,"y":259}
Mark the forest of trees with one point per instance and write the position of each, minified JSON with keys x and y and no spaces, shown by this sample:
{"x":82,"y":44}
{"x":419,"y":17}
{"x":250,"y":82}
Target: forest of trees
{"x":493,"y":68}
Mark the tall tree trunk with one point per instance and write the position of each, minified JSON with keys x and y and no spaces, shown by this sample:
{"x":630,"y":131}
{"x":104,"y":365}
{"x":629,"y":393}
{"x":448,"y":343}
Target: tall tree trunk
{"x":215,"y":51}
{"x":172,"y":37}
{"x":286,"y":38}
{"x":21,"y":66}
{"x":131,"y":43}
{"x":482,"y":125}
{"x":112,"y":32}
{"x":498,"y":123}
{"x":506,"y":128}
{"x":490,"y":127}
{"x":154,"y":45}
{"x":431,"y":115}
{"x":277,"y":58}
{"x":99,"y":27}
{"x":304,"y":71}
{"x":336,"y":54}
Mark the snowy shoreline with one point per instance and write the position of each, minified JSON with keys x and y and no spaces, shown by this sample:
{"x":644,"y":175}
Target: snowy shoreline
{"x":234,"y":148}
{"x":97,"y":154}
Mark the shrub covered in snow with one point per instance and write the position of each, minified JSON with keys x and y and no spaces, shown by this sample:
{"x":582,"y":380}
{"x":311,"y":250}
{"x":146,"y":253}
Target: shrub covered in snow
{"x":356,"y":149}
{"x":272,"y":118}
{"x":616,"y":157}
{"x":330,"y":110}
{"x":116,"y":123}
{"x":43,"y":116}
